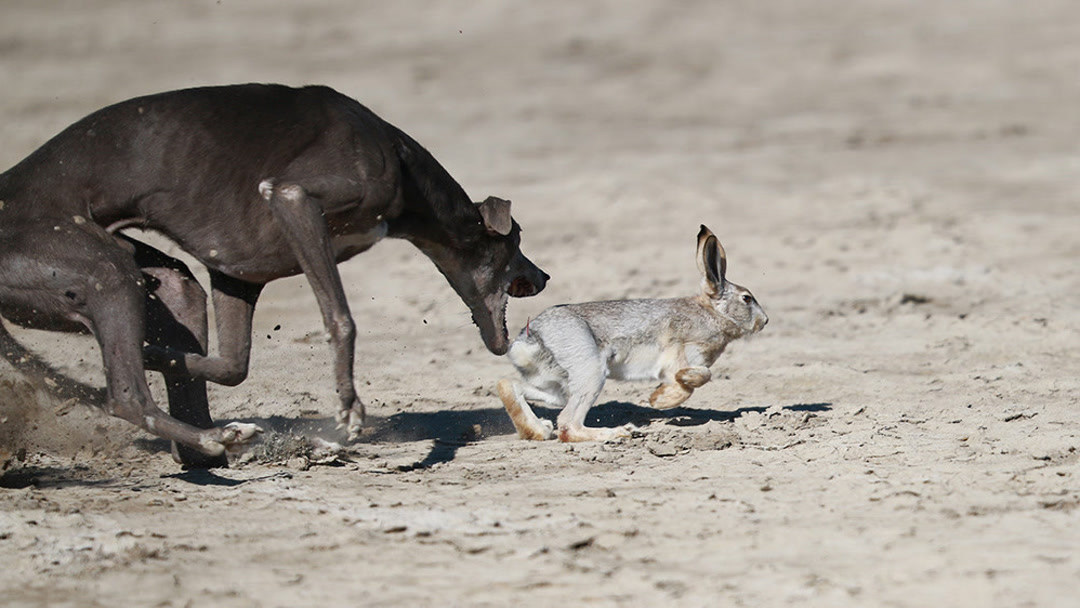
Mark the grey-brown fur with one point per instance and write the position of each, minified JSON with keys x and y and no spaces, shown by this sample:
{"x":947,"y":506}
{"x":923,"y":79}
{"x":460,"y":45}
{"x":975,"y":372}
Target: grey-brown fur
{"x":566,"y":353}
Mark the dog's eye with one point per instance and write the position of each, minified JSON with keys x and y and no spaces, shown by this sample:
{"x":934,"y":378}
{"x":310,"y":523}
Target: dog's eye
{"x":747,"y":298}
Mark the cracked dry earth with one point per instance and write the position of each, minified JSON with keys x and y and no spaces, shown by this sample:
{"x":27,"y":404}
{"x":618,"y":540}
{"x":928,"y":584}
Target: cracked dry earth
{"x":895,"y":181}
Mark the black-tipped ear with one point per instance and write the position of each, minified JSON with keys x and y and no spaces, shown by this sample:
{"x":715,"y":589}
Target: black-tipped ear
{"x":711,"y":259}
{"x":496,"y":214}
{"x":715,"y":260}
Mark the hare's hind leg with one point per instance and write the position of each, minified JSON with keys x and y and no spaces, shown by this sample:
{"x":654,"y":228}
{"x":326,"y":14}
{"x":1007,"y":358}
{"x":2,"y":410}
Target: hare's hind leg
{"x":542,"y":380}
{"x":528,"y":425}
{"x":586,"y":380}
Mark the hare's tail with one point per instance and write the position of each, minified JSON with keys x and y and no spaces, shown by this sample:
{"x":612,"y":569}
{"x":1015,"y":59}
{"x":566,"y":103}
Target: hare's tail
{"x":526,"y":353}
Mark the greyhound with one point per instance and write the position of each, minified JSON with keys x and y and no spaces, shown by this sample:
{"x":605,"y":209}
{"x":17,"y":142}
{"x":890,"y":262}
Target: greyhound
{"x":256,"y":182}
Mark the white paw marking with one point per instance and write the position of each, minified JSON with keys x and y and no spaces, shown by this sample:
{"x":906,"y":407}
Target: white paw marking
{"x":356,"y":424}
{"x":211,"y":447}
{"x":352,"y":421}
{"x":266,"y":189}
{"x":239,"y":433}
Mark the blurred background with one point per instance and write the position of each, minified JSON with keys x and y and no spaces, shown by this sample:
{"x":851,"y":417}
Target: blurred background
{"x":895,"y":180}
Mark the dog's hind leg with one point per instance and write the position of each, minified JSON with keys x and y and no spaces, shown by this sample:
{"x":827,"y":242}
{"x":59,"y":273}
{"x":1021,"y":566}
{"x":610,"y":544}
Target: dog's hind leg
{"x":176,"y":320}
{"x":61,"y":272}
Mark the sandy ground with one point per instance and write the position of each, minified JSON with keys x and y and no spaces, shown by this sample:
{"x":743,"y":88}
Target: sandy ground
{"x":895,"y":180}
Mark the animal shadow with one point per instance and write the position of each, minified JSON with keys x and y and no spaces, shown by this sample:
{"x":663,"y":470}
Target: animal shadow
{"x":615,"y":413}
{"x":21,"y":477}
{"x":449,"y":430}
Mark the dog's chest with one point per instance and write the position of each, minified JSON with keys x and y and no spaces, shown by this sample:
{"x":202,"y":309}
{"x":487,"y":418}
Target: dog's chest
{"x":347,"y":245}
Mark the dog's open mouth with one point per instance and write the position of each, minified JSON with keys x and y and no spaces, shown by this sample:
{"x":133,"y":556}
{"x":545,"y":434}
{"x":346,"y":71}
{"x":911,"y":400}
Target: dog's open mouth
{"x":522,"y":288}
{"x":492,"y":326}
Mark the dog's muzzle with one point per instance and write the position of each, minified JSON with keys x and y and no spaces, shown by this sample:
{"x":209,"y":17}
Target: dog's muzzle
{"x":523,"y":288}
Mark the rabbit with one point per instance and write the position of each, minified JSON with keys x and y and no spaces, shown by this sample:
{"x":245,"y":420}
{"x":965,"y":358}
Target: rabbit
{"x":566,"y":353}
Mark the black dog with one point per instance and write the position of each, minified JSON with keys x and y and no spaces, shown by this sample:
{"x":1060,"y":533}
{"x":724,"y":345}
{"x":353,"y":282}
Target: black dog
{"x":257,"y":182}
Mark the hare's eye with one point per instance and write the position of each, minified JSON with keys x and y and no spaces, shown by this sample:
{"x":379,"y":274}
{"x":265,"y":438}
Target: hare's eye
{"x":747,"y":298}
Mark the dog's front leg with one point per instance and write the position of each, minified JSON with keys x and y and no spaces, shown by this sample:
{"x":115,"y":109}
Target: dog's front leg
{"x":234,"y":307}
{"x":302,"y":220}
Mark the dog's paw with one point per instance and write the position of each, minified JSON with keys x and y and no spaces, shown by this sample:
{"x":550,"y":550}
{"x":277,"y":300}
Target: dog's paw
{"x":236,"y":434}
{"x":352,"y":421}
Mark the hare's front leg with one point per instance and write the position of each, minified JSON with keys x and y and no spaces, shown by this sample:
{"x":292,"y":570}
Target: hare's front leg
{"x":672,"y":394}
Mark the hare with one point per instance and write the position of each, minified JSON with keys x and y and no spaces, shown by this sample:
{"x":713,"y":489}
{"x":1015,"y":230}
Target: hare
{"x":566,"y":353}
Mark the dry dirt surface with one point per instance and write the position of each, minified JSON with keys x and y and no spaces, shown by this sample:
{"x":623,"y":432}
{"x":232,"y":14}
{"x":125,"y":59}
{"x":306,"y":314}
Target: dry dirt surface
{"x":897,"y":181}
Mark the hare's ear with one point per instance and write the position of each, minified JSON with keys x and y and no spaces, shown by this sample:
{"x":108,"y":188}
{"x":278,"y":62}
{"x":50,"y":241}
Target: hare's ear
{"x":711,"y":259}
{"x":496,"y":215}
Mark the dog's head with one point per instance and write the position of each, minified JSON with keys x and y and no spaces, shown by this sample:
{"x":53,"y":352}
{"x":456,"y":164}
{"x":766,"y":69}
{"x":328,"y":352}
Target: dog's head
{"x":489,"y":269}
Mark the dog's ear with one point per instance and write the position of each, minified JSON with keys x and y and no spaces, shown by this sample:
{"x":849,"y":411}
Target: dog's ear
{"x":496,"y":214}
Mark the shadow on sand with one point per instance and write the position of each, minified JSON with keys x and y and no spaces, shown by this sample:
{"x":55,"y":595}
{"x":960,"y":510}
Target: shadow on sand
{"x":448,"y":430}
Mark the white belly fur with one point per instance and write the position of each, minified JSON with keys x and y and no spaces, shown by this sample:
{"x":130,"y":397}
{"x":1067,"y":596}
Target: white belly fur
{"x":638,"y":363}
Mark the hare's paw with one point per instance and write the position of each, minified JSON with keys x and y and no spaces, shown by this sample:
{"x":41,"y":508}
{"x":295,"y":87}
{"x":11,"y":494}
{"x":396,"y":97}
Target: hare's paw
{"x":693,"y":377}
{"x":587,"y":433}
{"x":667,"y":396}
{"x":544,"y":430}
